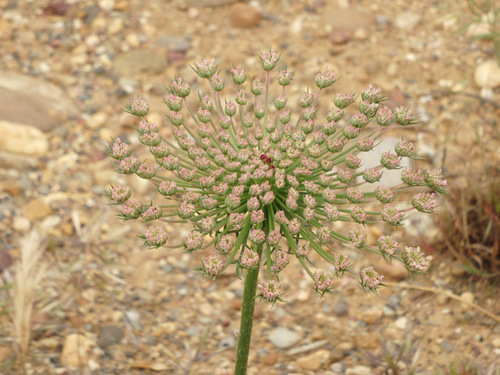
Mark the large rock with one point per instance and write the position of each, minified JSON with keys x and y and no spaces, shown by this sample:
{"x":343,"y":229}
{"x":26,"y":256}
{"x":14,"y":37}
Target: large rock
{"x":33,"y":101}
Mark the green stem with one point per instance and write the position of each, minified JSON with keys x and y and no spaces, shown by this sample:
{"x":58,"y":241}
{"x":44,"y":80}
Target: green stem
{"x":247,"y":311}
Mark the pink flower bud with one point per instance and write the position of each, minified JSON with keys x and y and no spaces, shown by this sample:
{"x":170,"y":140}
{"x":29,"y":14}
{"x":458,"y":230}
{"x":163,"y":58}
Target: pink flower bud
{"x":186,"y":210}
{"x":303,"y":248}
{"x":414,"y":260}
{"x":372,"y":175}
{"x":120,"y":194}
{"x":387,"y":245}
{"x":358,"y":237}
{"x":129,"y":165}
{"x":257,"y":87}
{"x":424,"y":202}
{"x":180,"y":87}
{"x":359,"y":121}
{"x":155,"y":237}
{"x":332,"y":212}
{"x":270,"y":290}
{"x":385,"y":117}
{"x":372,"y":94}
{"x":173,"y":102}
{"x":285,"y":77}
{"x":350,"y":131}
{"x":146,"y":171}
{"x":370,"y":279}
{"x":217,"y":82}
{"x":193,"y":241}
{"x":167,"y":188}
{"x":307,"y":99}
{"x":269,"y":59}
{"x":225,"y":244}
{"x":257,"y":217}
{"x":342,"y":101}
{"x":344,"y":175}
{"x":390,"y":160}
{"x":391,"y":215}
{"x":412,"y":176}
{"x":139,"y":107}
{"x":131,"y":209}
{"x":152,"y":213}
{"x":249,"y":259}
{"x":383,"y":194}
{"x":325,"y":79}
{"x":212,"y":265}
{"x":354,"y":195}
{"x":206,"y":68}
{"x":257,"y":236}
{"x":120,"y":150}
{"x":352,"y":161}
{"x":322,"y":282}
{"x":335,"y":115}
{"x":358,"y":215}
{"x":281,"y":260}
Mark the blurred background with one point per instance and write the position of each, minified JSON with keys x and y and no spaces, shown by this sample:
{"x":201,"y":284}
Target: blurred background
{"x":78,"y":292}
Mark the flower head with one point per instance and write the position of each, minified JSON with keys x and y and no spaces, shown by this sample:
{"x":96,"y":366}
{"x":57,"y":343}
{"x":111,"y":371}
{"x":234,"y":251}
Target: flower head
{"x":266,"y":181}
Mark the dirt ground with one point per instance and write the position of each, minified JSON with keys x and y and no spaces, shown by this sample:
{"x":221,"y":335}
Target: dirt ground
{"x":107,"y":305}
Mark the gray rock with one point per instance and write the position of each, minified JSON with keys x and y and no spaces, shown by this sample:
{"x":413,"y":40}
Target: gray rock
{"x":282,"y":337}
{"x":179,"y":43}
{"x":33,"y":101}
{"x":137,"y":62}
{"x":340,"y":308}
{"x":109,"y":335}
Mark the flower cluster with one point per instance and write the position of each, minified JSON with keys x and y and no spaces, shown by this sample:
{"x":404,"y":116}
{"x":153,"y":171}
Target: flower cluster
{"x":264,"y":185}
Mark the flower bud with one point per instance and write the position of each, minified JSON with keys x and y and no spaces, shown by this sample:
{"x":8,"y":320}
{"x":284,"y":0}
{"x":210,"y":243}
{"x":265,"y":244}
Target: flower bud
{"x":357,"y":237}
{"x":414,"y":260}
{"x":120,"y":194}
{"x":146,"y":171}
{"x":325,"y":79}
{"x":269,"y":60}
{"x":257,"y":87}
{"x":270,"y":290}
{"x":212,"y":265}
{"x":280,"y":102}
{"x":424,"y":202}
{"x":390,"y":160}
{"x":306,"y":100}
{"x":238,"y":75}
{"x":155,"y":237}
{"x":193,"y":241}
{"x":206,"y":68}
{"x":217,"y":82}
{"x":358,"y":215}
{"x":167,"y":188}
{"x":370,"y":279}
{"x":342,"y":101}
{"x":173,"y":102}
{"x":383,"y":194}
{"x":225,"y":244}
{"x":391,"y":215}
{"x":120,"y":150}
{"x":385,"y":117}
{"x":138,"y":107}
{"x":152,"y":213}
{"x":249,"y":259}
{"x":180,"y":87}
{"x":285,"y":77}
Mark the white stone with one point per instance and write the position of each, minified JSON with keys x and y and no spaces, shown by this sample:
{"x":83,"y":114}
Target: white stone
{"x":22,"y":139}
{"x":283,"y":337}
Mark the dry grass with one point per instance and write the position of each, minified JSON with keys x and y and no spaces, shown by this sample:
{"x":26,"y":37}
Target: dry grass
{"x":472,"y":225}
{"x":29,"y":272}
